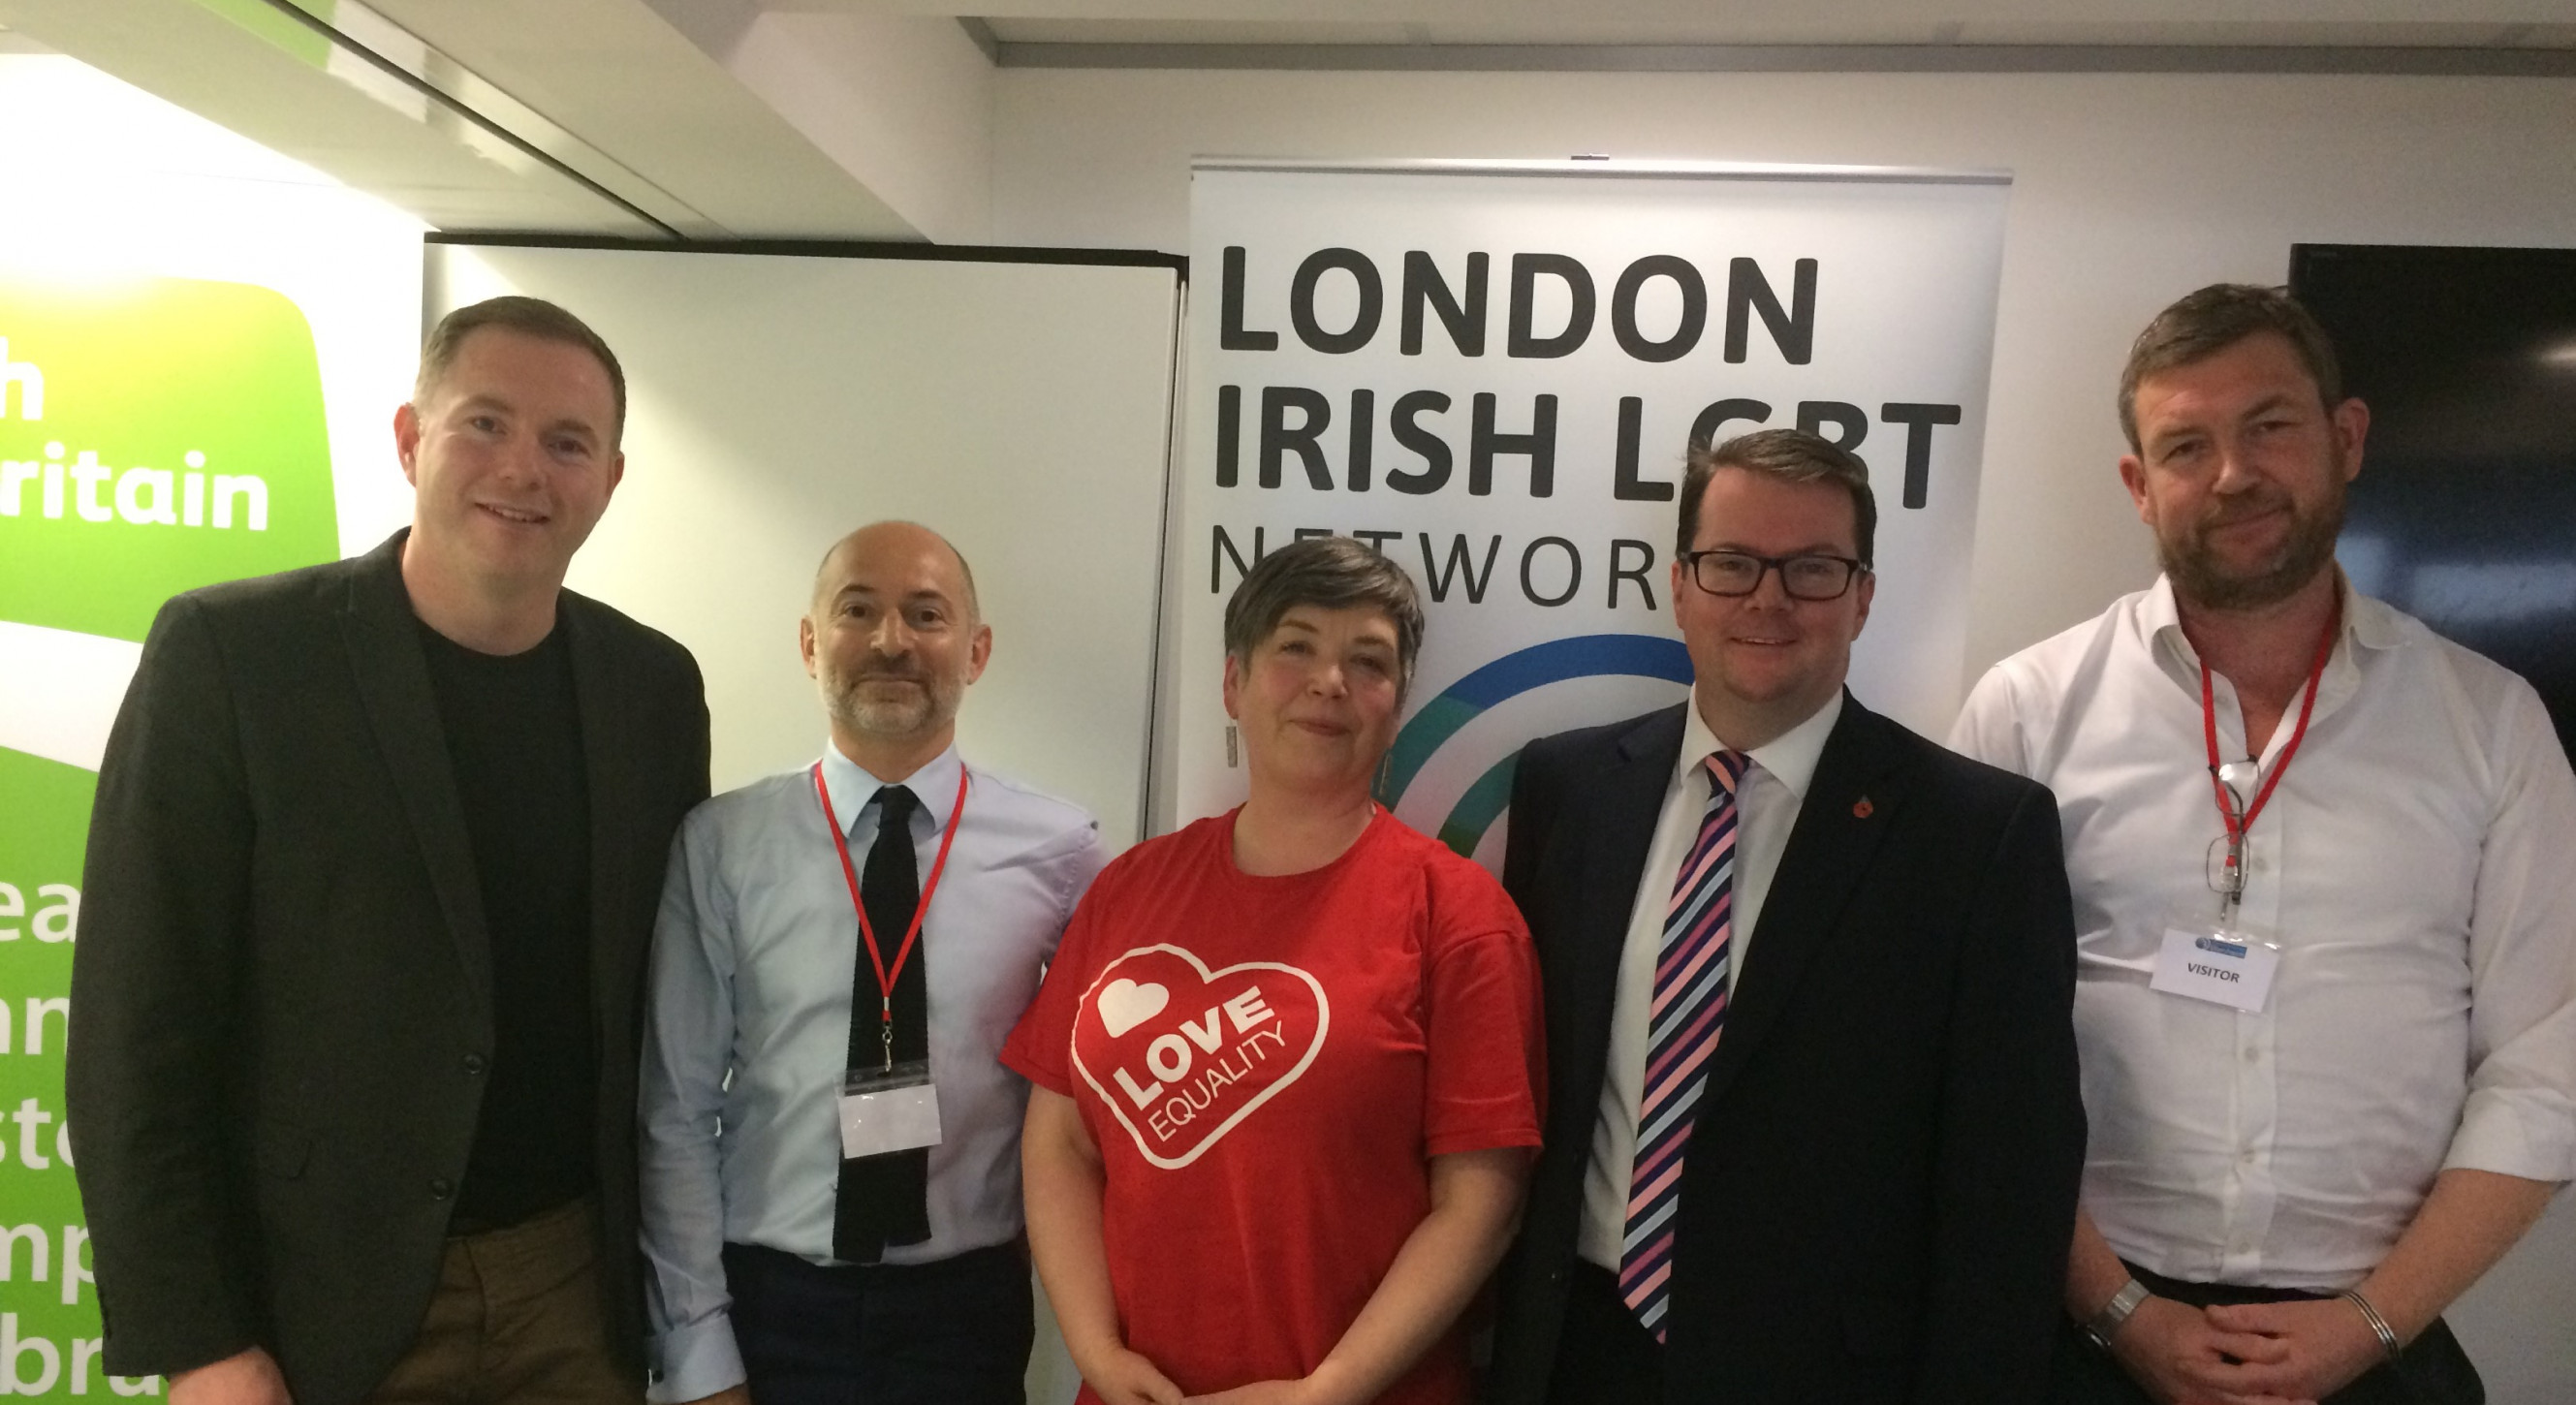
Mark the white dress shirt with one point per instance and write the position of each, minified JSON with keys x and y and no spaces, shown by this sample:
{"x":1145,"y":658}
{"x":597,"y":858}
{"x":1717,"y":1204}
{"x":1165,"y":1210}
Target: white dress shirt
{"x":2418,"y":865}
{"x":1766,"y":809}
{"x":754,"y":958}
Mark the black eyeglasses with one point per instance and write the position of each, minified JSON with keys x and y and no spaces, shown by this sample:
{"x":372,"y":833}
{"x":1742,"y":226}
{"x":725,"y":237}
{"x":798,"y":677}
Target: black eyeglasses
{"x":1812,"y":577}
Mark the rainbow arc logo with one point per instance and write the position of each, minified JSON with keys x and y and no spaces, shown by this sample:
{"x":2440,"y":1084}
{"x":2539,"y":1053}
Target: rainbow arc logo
{"x":1515,"y":673}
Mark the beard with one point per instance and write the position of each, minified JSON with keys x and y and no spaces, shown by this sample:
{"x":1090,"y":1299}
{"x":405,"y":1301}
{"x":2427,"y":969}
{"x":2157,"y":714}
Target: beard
{"x":2200,"y":576}
{"x":893,"y":714}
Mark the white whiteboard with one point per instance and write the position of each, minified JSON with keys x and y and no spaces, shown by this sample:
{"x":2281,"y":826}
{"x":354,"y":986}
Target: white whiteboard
{"x":777,"y":401}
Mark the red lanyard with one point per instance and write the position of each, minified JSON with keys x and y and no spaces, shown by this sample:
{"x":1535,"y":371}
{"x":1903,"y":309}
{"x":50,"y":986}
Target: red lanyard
{"x":2238,"y":828}
{"x":886,"y":976}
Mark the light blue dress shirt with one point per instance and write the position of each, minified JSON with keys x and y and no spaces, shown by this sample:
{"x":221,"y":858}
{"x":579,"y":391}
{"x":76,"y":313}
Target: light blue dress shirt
{"x":753,"y":959}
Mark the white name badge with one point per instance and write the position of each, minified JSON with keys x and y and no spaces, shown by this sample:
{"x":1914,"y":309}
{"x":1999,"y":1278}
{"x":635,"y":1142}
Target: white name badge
{"x":886,"y":1110}
{"x":2219,"y":963}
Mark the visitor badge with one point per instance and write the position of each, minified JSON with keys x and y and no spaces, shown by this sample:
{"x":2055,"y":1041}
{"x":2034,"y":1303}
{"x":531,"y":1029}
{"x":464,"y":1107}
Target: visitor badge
{"x":2225,"y":963}
{"x":888,"y":1109}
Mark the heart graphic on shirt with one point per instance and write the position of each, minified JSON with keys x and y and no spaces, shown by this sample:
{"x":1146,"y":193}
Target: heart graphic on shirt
{"x":1181,"y":1054}
{"x":1124,"y":1004}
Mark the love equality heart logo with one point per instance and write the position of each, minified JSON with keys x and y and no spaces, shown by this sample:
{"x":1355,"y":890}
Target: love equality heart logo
{"x":1123,"y":1004}
{"x":1182,"y":1054}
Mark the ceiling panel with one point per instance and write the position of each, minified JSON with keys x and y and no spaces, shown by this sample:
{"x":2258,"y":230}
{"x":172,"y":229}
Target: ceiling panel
{"x":294,"y":100}
{"x":618,"y":75}
{"x":1830,"y":35}
{"x":588,"y":117}
{"x":1862,"y":15}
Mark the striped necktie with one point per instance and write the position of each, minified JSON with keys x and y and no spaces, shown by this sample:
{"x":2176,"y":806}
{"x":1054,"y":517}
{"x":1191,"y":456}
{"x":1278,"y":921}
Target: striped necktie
{"x":1690,"y":1005}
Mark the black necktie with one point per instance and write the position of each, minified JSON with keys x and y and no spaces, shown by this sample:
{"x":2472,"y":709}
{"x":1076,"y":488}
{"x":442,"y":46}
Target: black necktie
{"x":882,"y":1199}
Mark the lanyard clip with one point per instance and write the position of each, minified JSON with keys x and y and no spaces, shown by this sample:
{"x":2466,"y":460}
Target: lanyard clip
{"x":2236,"y":780}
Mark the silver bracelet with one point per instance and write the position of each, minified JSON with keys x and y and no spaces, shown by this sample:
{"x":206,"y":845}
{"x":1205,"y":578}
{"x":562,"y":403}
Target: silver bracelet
{"x":2388,"y":1343}
{"x":2115,"y":1313}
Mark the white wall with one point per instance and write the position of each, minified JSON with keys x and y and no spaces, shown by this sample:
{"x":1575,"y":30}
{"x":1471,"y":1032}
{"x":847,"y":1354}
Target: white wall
{"x":903,"y":102}
{"x":778,"y":402}
{"x":2130,"y":191}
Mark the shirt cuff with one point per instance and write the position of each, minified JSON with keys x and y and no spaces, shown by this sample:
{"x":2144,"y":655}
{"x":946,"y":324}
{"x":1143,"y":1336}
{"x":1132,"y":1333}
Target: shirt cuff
{"x":2519,"y":1133}
{"x":695,"y":1361}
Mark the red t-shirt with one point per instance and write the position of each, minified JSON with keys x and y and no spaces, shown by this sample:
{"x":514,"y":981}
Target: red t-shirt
{"x":1266,"y":1065}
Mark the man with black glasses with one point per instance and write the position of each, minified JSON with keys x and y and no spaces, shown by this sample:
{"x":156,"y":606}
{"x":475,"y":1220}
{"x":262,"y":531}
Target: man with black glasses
{"x":2326,"y":921}
{"x":1863,"y":1191}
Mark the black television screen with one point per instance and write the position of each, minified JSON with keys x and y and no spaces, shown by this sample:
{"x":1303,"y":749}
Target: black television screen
{"x":2465,"y":512}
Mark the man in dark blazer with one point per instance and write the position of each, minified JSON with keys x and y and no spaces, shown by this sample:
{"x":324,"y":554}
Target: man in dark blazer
{"x":371,"y":877}
{"x":1813,"y":1123}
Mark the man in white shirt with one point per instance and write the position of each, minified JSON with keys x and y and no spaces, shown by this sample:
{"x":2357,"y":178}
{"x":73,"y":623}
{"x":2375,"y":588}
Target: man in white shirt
{"x":810,"y":1241}
{"x":2326,"y":918}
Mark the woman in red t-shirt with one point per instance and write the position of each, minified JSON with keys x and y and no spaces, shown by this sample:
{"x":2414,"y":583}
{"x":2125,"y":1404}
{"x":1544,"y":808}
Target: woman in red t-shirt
{"x":1287,"y":1059}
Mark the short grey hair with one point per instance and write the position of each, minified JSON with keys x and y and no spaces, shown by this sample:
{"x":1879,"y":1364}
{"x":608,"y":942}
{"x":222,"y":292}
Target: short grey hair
{"x":1332,"y":573}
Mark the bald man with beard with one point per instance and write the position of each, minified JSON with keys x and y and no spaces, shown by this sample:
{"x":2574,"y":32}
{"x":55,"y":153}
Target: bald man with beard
{"x":831,"y":1174}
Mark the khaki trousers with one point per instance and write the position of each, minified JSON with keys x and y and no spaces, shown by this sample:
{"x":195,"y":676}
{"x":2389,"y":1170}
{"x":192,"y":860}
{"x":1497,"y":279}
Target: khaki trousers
{"x":516,"y":1318}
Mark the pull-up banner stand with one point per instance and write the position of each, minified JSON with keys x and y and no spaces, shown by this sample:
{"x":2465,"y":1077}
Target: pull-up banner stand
{"x":1491,"y":372}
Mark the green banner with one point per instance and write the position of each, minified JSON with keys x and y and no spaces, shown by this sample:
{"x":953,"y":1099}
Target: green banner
{"x":156,"y":434}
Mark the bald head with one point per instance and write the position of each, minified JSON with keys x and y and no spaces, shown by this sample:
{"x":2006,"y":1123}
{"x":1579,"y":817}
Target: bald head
{"x":897,"y":539}
{"x":893,"y":640}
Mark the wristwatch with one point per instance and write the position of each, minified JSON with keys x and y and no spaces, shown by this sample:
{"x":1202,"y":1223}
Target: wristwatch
{"x":2115,"y":1312}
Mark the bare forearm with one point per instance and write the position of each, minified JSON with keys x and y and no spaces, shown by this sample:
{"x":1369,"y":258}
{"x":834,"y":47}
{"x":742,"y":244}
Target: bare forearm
{"x":1475,"y":1201}
{"x":2468,"y":1222}
{"x":1062,"y":1180}
{"x":2094,"y":1274}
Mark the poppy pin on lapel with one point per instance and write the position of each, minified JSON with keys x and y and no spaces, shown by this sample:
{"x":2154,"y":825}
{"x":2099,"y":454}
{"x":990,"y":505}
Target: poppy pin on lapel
{"x":1862,"y":809}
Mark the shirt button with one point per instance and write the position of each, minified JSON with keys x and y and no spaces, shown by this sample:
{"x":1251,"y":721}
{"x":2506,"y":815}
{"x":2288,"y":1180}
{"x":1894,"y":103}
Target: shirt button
{"x":2253,"y":1055}
{"x":440,"y":1187}
{"x":475,"y":1064}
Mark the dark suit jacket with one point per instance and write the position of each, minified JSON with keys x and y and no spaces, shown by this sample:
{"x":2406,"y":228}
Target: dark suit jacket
{"x":281,"y":995}
{"x":1880,"y":1188}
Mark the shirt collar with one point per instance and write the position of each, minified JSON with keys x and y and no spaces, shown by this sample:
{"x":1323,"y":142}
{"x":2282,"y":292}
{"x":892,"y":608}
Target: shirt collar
{"x":2370,"y":623}
{"x":2366,"y":624}
{"x":853,"y":787}
{"x":1789,"y":758}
